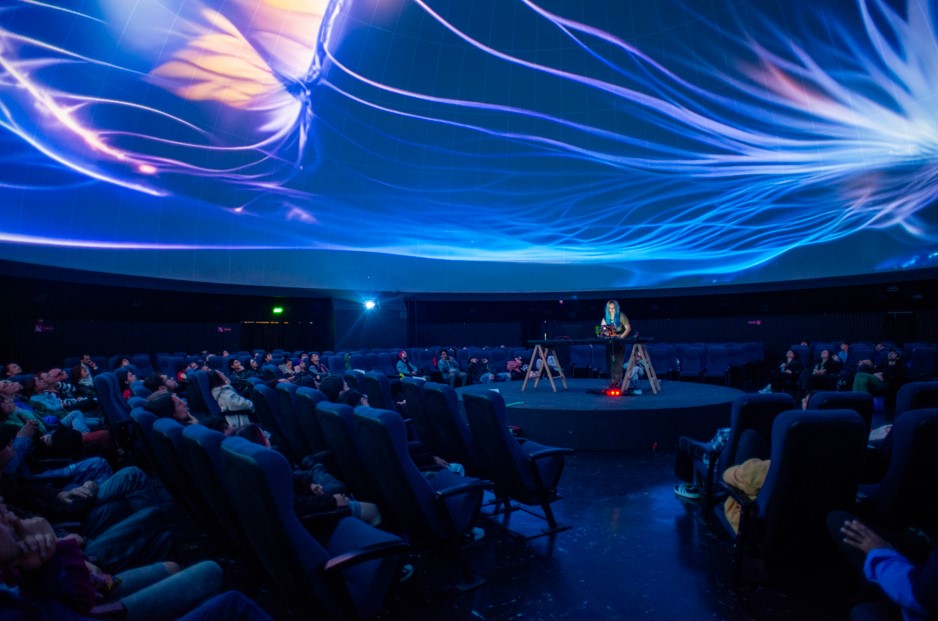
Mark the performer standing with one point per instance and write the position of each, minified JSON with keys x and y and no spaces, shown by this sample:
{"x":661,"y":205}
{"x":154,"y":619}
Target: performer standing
{"x":615,"y":327}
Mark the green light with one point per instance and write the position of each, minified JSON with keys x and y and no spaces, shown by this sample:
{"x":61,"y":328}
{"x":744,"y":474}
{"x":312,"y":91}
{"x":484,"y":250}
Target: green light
{"x":278,"y":310}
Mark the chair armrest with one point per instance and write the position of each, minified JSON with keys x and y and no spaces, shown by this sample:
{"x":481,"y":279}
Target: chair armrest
{"x":550,"y":452}
{"x":463,"y":488}
{"x":362,"y":555}
{"x":324,"y":518}
{"x":744,"y":501}
{"x":111,"y":610}
{"x":701,"y":448}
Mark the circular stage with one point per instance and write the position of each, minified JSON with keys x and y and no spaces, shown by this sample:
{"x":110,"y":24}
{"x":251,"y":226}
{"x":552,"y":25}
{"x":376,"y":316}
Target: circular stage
{"x":581,"y":420}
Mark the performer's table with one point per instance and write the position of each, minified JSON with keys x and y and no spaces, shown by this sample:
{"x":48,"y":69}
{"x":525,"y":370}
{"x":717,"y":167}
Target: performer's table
{"x":548,"y":347}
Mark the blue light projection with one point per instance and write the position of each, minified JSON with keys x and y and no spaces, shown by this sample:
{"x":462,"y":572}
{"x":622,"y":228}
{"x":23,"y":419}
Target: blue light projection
{"x":492,"y":145}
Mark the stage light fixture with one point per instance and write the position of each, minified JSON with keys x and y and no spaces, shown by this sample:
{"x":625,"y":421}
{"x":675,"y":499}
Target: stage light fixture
{"x":370,"y":304}
{"x":277,"y":310}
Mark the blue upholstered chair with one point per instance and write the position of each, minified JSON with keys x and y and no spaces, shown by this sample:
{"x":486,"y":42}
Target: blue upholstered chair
{"x":453,"y":435}
{"x":142,"y":363}
{"x":199,"y":385}
{"x":897,"y":501}
{"x":290,"y":422}
{"x":346,"y":576}
{"x":305,"y":400}
{"x":267,"y":408}
{"x":816,"y":459}
{"x":358,"y":361}
{"x":859,"y":402}
{"x":692,"y":362}
{"x":433,"y":508}
{"x":418,"y":413}
{"x":115,"y":410}
{"x":916,"y":396}
{"x":528,"y":473}
{"x":716,"y":363}
{"x":378,"y":389}
{"x":167,"y":442}
{"x":754,"y":411}
{"x":201,"y":452}
{"x":338,"y":427}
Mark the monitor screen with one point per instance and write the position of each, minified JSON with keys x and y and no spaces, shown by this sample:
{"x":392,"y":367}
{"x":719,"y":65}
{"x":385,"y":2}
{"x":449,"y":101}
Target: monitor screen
{"x":490,"y":146}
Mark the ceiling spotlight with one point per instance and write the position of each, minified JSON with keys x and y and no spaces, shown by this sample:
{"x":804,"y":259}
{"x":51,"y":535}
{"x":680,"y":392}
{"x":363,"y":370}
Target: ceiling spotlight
{"x":370,"y":304}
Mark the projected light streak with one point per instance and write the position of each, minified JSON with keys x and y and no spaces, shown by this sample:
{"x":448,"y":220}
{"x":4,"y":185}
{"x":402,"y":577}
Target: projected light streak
{"x":51,"y":116}
{"x":806,"y":137}
{"x":835,"y":134}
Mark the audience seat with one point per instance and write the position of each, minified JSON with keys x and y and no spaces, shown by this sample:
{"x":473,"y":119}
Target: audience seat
{"x":305,"y":401}
{"x":267,"y":408}
{"x":290,"y":422}
{"x":816,"y":459}
{"x":416,"y":406}
{"x":452,"y":433}
{"x":859,"y":402}
{"x":348,"y":575}
{"x":749,"y":411}
{"x":435,"y":508}
{"x":898,"y":501}
{"x":528,"y":473}
{"x":338,"y":427}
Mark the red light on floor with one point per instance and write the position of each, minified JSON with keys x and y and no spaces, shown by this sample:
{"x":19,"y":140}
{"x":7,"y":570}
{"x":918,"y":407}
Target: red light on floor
{"x":613,"y":392}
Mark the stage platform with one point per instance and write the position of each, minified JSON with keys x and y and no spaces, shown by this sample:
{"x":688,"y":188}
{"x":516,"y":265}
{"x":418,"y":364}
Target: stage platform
{"x":577,"y":419}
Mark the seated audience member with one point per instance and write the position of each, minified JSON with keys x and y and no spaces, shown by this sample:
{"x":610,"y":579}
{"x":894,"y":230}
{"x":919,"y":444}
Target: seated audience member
{"x":907,"y":577}
{"x":316,"y":367}
{"x":316,"y":491}
{"x":449,"y":368}
{"x":167,"y":405}
{"x":56,"y":382}
{"x":480,"y":372}
{"x":12,"y":369}
{"x":516,"y":368}
{"x":182,"y":376}
{"x":125,"y":377}
{"x":551,"y":364}
{"x":219,"y":424}
{"x":822,"y":376}
{"x":404,"y":367}
{"x":785,"y":377}
{"x":751,"y":445}
{"x":160,"y":382}
{"x":880,"y":354}
{"x":51,"y":441}
{"x":89,"y":364}
{"x":80,"y":377}
{"x":332,"y":386}
{"x":353,"y":398}
{"x":301,"y":376}
{"x":47,"y":403}
{"x":238,"y":376}
{"x":881,"y":379}
{"x":51,"y":576}
{"x":236,"y":409}
{"x":16,"y":446}
{"x":286,"y":367}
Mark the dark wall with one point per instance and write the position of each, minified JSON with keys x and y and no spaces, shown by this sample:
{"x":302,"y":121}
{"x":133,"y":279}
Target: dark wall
{"x":87,"y":316}
{"x":43,"y":320}
{"x":359,"y":328}
{"x":900,"y":312}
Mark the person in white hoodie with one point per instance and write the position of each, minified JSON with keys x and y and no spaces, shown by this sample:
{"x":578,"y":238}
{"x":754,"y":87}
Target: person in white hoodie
{"x":236,"y":409}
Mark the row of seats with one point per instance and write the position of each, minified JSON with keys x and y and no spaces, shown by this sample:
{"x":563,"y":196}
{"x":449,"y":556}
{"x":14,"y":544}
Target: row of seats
{"x":344,"y":567}
{"x":820,"y":462}
{"x":693,"y":361}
